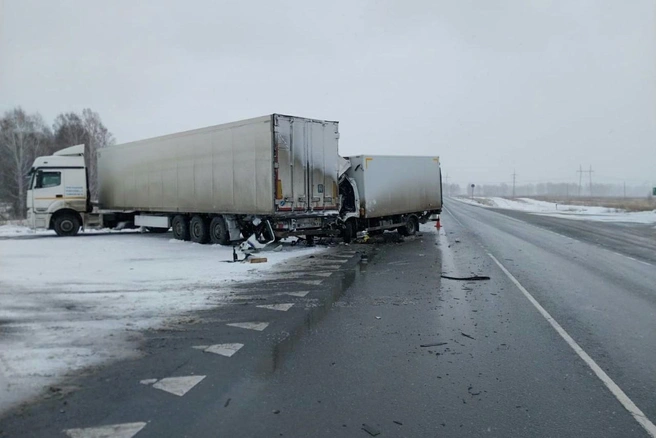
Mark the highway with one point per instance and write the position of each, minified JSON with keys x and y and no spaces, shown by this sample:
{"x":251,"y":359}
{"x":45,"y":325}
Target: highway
{"x":559,"y":342}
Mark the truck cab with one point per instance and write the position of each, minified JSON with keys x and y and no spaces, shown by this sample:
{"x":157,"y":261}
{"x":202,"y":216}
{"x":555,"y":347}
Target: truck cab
{"x":58,"y":194}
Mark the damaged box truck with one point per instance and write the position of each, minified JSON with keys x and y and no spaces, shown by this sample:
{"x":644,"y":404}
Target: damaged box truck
{"x":269,"y":177}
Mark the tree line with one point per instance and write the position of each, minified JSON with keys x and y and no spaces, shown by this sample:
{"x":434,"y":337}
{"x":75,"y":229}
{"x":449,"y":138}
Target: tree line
{"x":25,"y":136}
{"x":564,"y":190}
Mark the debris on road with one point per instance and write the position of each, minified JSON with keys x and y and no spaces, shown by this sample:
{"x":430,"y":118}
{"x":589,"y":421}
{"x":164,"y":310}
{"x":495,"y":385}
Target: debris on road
{"x":227,"y":403}
{"x":467,"y":336}
{"x":276,"y":411}
{"x":258,"y":260}
{"x":472,"y":278}
{"x":378,"y":317}
{"x":370,"y":430}
{"x":397,"y":422}
{"x":436,"y":344}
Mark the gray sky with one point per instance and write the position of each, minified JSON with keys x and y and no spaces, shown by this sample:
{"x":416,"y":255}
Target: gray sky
{"x":489,"y":86}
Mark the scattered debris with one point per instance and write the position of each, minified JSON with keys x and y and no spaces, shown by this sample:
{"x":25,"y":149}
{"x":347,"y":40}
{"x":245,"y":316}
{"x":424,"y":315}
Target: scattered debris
{"x":472,"y":278}
{"x":276,"y":411}
{"x":277,"y":248}
{"x":436,"y":344}
{"x":370,"y":430}
{"x":258,"y":260}
{"x":397,"y":422}
{"x":378,"y":317}
{"x":227,"y":403}
{"x":467,"y":336}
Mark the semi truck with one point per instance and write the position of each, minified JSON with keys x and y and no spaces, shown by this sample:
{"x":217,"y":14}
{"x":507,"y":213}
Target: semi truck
{"x":268,"y":177}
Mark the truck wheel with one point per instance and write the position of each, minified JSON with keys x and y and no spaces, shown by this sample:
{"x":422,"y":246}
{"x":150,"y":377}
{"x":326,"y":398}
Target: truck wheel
{"x":180,"y":225}
{"x":349,"y":232}
{"x":198,"y":230}
{"x":411,"y":227}
{"x":67,"y":224}
{"x":219,"y":232}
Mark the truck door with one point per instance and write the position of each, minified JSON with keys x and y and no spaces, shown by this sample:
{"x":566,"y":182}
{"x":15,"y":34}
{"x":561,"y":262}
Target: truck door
{"x":306,"y":164}
{"x":47,"y":189}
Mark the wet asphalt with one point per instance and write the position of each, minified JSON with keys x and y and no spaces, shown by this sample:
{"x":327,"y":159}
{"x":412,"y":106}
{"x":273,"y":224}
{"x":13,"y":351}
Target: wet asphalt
{"x":385,"y":347}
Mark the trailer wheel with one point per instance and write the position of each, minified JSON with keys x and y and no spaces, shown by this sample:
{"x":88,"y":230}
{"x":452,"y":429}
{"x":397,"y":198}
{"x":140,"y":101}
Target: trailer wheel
{"x":219,"y":232}
{"x":198,"y":230}
{"x":411,"y":227}
{"x":66,"y":224}
{"x":349,"y":231}
{"x":180,"y":225}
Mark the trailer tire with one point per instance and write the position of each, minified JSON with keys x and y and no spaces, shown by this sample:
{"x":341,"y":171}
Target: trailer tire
{"x":411,"y":227}
{"x":67,"y":224}
{"x":349,"y":231}
{"x":219,"y":232}
{"x":199,"y":232}
{"x":180,"y":225}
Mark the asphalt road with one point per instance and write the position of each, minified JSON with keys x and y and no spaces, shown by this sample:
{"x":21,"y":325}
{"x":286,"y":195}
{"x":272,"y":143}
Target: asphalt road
{"x":351,"y":358}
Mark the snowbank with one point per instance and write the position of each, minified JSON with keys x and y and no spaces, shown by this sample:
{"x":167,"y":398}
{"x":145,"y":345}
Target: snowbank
{"x":68,"y":303}
{"x":552,"y":209}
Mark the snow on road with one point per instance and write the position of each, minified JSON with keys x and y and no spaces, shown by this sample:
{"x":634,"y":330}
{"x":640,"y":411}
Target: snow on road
{"x":70,"y":303}
{"x":602,"y":214}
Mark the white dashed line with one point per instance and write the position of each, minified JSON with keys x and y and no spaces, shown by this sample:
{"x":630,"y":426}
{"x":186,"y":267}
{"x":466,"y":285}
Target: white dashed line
{"x":259,"y":326}
{"x":300,"y":294}
{"x":178,"y":385}
{"x":125,"y":430}
{"x":281,"y":307}
{"x":628,"y":404}
{"x":226,"y":350}
{"x":320,"y":274}
{"x":310,"y":282}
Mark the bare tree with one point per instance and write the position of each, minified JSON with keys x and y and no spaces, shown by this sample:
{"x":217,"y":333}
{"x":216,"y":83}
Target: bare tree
{"x":72,"y":129}
{"x":23,"y":137}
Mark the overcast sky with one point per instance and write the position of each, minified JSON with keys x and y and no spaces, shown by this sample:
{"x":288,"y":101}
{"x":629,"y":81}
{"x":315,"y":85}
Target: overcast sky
{"x":489,"y":86}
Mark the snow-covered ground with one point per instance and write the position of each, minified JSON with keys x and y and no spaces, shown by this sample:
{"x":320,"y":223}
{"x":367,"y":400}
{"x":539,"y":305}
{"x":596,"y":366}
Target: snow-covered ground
{"x":529,"y":205}
{"x":70,"y":303}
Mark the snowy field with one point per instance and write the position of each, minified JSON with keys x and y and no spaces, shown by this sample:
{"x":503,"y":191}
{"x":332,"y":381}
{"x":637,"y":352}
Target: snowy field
{"x":529,"y":205}
{"x":70,"y":303}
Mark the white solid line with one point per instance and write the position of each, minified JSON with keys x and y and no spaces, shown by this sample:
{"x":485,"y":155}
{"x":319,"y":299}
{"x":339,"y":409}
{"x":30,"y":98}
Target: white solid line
{"x":628,"y":404}
{"x":226,"y":350}
{"x":454,"y":218}
{"x":178,"y":385}
{"x":259,"y":326}
{"x":281,"y":307}
{"x":125,"y":430}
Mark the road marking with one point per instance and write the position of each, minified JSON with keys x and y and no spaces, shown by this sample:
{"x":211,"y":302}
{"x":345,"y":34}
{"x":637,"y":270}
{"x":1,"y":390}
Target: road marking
{"x":320,"y":274}
{"x":124,"y":430}
{"x":147,"y":381}
{"x":226,"y":350}
{"x":628,"y":404}
{"x":281,"y":307}
{"x":178,"y":385}
{"x":310,"y":282}
{"x":297,"y":294}
{"x":454,"y":218}
{"x":259,"y":326}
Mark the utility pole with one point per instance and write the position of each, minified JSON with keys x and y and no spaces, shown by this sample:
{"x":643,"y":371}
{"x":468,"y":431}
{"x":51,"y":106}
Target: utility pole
{"x":624,"y":189}
{"x":514,"y":175}
{"x":590,"y":174}
{"x":580,"y":172}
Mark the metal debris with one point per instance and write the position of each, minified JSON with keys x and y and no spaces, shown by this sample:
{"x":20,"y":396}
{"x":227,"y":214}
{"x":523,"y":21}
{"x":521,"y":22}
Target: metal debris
{"x":370,"y":429}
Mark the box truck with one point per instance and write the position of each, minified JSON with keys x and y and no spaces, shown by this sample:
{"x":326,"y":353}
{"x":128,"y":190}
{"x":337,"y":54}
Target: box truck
{"x":269,"y":177}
